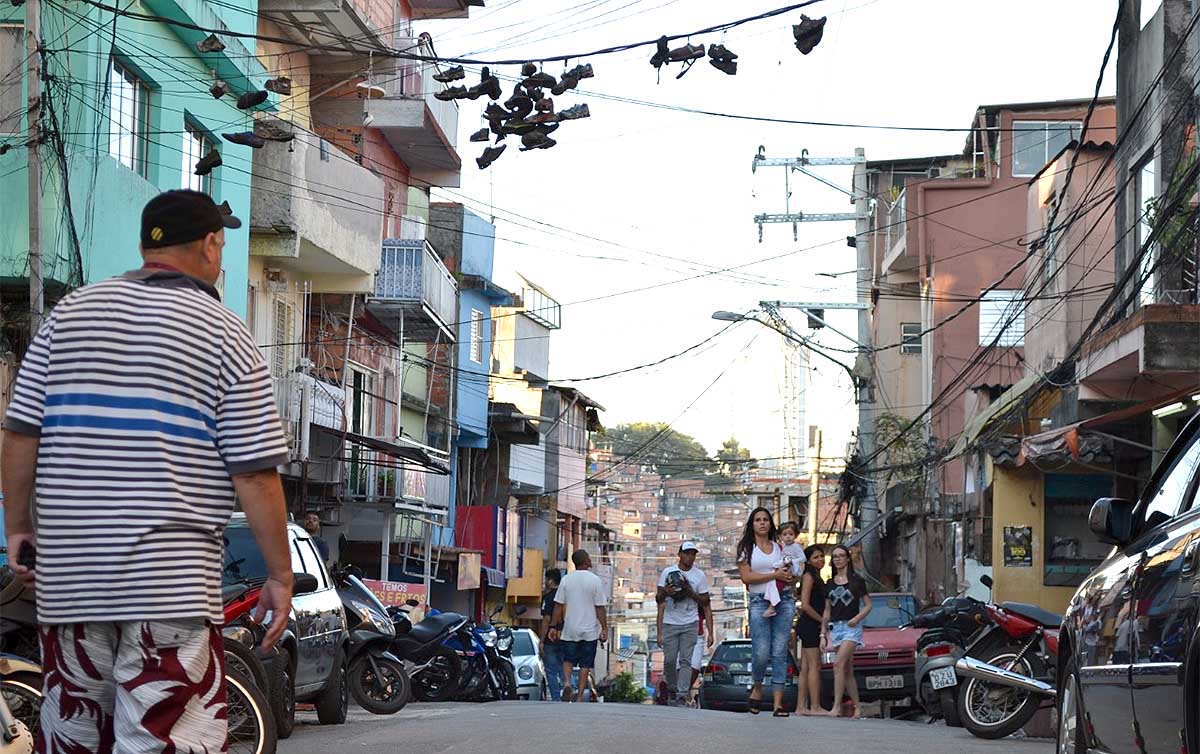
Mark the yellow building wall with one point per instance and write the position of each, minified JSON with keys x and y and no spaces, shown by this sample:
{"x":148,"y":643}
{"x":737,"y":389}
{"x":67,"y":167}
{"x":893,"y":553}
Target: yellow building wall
{"x":1018,"y":499}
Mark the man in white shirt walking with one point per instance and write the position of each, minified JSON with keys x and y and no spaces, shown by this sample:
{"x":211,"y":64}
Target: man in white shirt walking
{"x":682,"y":597}
{"x":579,"y":609}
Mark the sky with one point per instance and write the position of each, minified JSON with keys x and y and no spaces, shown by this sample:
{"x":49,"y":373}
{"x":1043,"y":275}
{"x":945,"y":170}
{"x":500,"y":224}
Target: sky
{"x":631,"y":218}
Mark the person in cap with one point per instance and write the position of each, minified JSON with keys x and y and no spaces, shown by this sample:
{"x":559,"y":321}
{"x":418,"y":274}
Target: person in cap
{"x":682,"y":598}
{"x":144,"y":406}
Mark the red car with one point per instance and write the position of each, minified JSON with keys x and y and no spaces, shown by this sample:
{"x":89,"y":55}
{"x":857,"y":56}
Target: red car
{"x":885,"y":664}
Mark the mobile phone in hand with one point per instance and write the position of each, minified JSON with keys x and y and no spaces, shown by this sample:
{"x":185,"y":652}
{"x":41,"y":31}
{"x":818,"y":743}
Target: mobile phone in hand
{"x":27,"y":555}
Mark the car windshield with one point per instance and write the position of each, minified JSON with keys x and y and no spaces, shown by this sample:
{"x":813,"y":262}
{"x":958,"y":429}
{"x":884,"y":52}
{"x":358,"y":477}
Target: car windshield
{"x":890,"y":611}
{"x":522,"y":644}
{"x":243,"y":559}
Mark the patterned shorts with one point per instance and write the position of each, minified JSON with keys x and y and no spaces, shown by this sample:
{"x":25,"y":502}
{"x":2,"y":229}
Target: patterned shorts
{"x":143,"y":687}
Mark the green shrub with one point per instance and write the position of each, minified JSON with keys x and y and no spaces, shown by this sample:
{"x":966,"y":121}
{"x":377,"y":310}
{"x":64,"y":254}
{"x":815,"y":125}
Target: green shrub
{"x":625,"y":688}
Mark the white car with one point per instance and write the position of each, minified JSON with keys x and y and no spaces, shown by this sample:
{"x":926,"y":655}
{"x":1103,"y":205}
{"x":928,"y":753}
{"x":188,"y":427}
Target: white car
{"x":531,"y":673}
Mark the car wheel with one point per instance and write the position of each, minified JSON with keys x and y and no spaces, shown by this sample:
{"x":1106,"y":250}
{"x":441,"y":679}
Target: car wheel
{"x":948,"y":701}
{"x":1071,"y":738}
{"x":283,"y":695}
{"x":334,"y":702}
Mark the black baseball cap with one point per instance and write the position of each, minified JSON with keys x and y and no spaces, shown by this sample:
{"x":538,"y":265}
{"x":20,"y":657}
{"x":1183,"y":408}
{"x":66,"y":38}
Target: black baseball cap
{"x":179,"y":216}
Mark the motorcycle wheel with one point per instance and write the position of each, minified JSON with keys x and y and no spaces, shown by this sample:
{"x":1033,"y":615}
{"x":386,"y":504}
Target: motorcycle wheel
{"x":438,"y":681}
{"x":506,"y":674}
{"x":991,"y":711}
{"x":246,"y":661}
{"x":23,"y":694}
{"x":251,"y":724}
{"x":385,"y":694}
{"x":948,"y":701}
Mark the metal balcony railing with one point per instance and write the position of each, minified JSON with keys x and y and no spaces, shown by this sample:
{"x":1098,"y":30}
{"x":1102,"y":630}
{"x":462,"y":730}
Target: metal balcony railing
{"x":897,"y":223}
{"x":415,"y":81}
{"x":410,"y":272}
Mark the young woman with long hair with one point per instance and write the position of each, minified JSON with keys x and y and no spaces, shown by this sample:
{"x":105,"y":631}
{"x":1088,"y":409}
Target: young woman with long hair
{"x":808,"y":631}
{"x":760,"y":561}
{"x":847,"y":604}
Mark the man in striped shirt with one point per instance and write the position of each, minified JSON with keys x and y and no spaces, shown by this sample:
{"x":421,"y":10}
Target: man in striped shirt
{"x":144,"y":406}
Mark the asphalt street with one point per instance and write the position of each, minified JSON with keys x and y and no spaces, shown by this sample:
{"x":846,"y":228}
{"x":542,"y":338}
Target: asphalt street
{"x":554,"y":728}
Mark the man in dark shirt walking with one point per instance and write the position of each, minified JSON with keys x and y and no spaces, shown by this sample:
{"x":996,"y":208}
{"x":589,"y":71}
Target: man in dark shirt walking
{"x":551,"y":650}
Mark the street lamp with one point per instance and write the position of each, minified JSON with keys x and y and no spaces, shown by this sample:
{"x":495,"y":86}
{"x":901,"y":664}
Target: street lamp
{"x":729,"y":316}
{"x":793,"y":336}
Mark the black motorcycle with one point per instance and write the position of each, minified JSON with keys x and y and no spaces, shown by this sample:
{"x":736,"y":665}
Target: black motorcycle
{"x":948,"y":631}
{"x":434,"y":668}
{"x":377,"y":679}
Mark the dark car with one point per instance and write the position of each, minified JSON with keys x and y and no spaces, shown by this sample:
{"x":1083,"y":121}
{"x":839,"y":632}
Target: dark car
{"x":885,"y":664}
{"x":726,"y":682}
{"x":1128,"y":653}
{"x":311,"y":654}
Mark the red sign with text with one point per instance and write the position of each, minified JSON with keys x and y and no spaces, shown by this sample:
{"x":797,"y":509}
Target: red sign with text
{"x":396,"y":592}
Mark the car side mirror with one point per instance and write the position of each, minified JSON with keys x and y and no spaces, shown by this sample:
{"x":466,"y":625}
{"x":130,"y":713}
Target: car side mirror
{"x":1111,"y":520}
{"x":303,"y":583}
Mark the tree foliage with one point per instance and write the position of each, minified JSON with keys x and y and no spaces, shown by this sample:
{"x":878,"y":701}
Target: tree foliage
{"x":656,"y":444}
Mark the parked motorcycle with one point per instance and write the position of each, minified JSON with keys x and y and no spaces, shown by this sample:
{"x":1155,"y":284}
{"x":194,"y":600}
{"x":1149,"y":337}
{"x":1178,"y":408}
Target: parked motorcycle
{"x":20,"y":704}
{"x":487,"y":674}
{"x":948,"y":630}
{"x":1008,"y":669}
{"x":434,"y":668}
{"x":377,"y":678}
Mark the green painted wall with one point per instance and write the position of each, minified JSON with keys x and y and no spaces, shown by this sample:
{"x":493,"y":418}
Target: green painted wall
{"x":106,"y":197}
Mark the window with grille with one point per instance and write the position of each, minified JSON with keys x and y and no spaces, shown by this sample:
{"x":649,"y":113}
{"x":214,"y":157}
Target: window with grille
{"x":281,"y":350}
{"x":476,"y":336}
{"x":12,"y":98}
{"x":196,"y":144}
{"x":1147,"y":190}
{"x":910,"y":337}
{"x":1001,"y":318}
{"x":128,"y":116}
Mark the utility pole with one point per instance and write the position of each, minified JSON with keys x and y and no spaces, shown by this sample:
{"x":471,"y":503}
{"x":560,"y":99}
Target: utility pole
{"x":33,"y":50}
{"x":868,"y":512}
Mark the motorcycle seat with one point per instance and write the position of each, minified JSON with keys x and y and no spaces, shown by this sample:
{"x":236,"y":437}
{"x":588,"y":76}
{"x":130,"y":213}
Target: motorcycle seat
{"x":1034,"y":613}
{"x":433,"y":627}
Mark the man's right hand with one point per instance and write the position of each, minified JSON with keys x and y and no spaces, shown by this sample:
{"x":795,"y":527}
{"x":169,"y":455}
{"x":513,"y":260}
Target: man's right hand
{"x":276,"y":598}
{"x":15,"y":541}
{"x":553,"y":635}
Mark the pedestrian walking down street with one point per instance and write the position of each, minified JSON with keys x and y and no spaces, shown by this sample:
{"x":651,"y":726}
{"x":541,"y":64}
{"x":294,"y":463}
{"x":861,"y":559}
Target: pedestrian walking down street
{"x":551,"y":650}
{"x":808,"y":632}
{"x":144,"y":406}
{"x":579,"y":607}
{"x":683,"y":600}
{"x":759,"y":557}
{"x":847,"y":604}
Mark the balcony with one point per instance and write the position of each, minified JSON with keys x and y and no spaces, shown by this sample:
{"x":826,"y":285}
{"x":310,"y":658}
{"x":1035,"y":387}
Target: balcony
{"x":316,"y":213}
{"x":415,"y":292}
{"x":1159,"y":341}
{"x":896,"y":238}
{"x":440,"y":9}
{"x":336,"y":23}
{"x":422,"y":129}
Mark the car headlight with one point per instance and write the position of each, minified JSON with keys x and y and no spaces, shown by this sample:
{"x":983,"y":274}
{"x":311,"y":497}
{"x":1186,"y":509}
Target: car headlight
{"x":525,"y":672}
{"x":829,"y":658}
{"x":488,"y":638}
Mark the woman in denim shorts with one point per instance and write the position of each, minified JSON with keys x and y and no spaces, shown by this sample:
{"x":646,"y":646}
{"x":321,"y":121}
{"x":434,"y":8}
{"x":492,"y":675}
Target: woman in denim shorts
{"x":847,"y":604}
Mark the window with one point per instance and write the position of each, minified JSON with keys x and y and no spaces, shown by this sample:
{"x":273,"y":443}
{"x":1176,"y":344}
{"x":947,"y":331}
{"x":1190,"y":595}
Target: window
{"x":12,"y":98}
{"x":196,"y":144}
{"x":1050,"y":262}
{"x":1168,"y":500}
{"x":128,"y":113}
{"x":252,"y":310}
{"x":910,"y":337}
{"x":1147,"y":190}
{"x":312,"y":562}
{"x":476,"y":336}
{"x":1034,"y":142}
{"x":1001,"y":319}
{"x":281,"y":350}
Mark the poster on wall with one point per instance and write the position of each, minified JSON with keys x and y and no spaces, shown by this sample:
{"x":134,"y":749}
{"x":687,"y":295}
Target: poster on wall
{"x":1018,"y":547}
{"x":397,"y":592}
{"x":468,"y":570}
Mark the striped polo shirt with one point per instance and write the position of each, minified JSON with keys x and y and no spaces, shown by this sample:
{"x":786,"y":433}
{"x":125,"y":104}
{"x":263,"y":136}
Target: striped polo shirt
{"x":147,"y":394}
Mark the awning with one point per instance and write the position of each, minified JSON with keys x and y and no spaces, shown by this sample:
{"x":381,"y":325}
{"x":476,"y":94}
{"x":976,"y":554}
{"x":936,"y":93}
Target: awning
{"x":511,"y":426}
{"x":495,"y":577}
{"x":399,"y":452}
{"x":998,"y":408}
{"x":1083,"y":441}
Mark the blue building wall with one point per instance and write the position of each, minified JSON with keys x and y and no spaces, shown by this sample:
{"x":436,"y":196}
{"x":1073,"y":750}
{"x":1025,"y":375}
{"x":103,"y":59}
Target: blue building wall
{"x":106,"y":197}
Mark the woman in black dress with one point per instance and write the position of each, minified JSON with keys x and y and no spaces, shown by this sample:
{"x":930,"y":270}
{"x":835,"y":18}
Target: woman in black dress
{"x":808,"y":631}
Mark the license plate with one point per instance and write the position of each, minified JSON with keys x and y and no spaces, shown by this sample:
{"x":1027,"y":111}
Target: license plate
{"x":877,"y":682}
{"x":742,"y":679}
{"x":943,"y":678}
